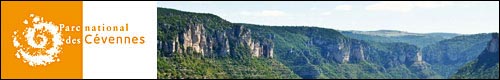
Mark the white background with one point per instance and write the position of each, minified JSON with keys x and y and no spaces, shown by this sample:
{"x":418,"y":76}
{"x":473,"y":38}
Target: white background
{"x":118,"y":60}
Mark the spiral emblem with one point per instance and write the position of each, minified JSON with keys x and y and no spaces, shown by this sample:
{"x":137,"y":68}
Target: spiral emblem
{"x":39,"y":44}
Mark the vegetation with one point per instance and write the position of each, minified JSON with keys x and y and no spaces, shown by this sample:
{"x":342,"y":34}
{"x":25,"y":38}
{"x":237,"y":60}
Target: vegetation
{"x":303,"y":52}
{"x":447,"y":56}
{"x":485,"y":66}
{"x":194,"y":66}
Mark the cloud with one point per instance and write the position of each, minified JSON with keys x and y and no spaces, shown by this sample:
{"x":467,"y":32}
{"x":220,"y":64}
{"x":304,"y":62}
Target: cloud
{"x":200,"y":2}
{"x":475,"y":3}
{"x":343,"y":7}
{"x":265,"y":13}
{"x":326,"y":13}
{"x":405,"y":6}
{"x":432,"y":4}
{"x":390,"y":6}
{"x":272,"y":13}
{"x":314,"y":8}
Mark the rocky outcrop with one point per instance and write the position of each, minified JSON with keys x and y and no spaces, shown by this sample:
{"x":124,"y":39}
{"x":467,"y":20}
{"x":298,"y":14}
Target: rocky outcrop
{"x":358,"y":52}
{"x":343,"y":51}
{"x":493,"y":44}
{"x":489,"y":56}
{"x":447,"y":56}
{"x":485,"y":66}
{"x":258,"y":49}
{"x":196,"y":38}
{"x":419,"y":64}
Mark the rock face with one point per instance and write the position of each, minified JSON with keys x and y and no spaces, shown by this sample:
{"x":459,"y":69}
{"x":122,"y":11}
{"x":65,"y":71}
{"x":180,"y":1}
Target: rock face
{"x":310,"y":52}
{"x":257,"y":48}
{"x":219,"y":43}
{"x":485,"y":66}
{"x":448,"y":55}
{"x":493,"y":45}
{"x":419,"y":63}
{"x":343,"y":51}
{"x":489,"y":56}
{"x":194,"y":37}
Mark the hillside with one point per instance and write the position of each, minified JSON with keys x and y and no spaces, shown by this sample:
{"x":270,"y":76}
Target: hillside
{"x":448,"y":55}
{"x":201,"y":45}
{"x":485,"y":66}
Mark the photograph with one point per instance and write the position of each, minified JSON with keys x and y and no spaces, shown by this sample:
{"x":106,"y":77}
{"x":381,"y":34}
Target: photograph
{"x":171,"y":39}
{"x":327,"y":40}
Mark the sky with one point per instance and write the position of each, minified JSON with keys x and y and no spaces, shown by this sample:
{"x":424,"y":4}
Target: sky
{"x":464,"y":17}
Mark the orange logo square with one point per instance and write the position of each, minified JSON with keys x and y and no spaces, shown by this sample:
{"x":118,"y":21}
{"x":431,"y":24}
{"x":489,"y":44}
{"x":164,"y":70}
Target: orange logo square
{"x":35,"y":40}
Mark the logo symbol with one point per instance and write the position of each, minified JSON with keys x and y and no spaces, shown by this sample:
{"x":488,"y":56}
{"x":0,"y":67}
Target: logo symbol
{"x":39,"y":43}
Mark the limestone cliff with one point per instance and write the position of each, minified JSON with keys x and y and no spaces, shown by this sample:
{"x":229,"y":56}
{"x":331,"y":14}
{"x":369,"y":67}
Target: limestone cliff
{"x":343,"y":51}
{"x":485,"y":66}
{"x":196,"y":38}
{"x":419,"y":63}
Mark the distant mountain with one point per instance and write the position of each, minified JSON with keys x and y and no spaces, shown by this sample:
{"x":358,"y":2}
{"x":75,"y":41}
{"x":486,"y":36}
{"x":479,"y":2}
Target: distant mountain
{"x":385,"y":33}
{"x":444,"y":35}
{"x":448,"y":55}
{"x":485,"y":66}
{"x":388,"y":36}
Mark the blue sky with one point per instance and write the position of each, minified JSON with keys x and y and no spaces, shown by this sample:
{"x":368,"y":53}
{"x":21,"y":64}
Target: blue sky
{"x":413,"y":16}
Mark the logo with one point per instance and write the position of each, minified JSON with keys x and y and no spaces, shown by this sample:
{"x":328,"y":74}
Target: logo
{"x":39,"y":43}
{"x":47,"y":39}
{"x":35,"y":40}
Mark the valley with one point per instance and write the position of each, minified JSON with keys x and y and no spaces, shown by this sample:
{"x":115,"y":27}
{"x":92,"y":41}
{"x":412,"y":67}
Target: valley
{"x":204,"y":46}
